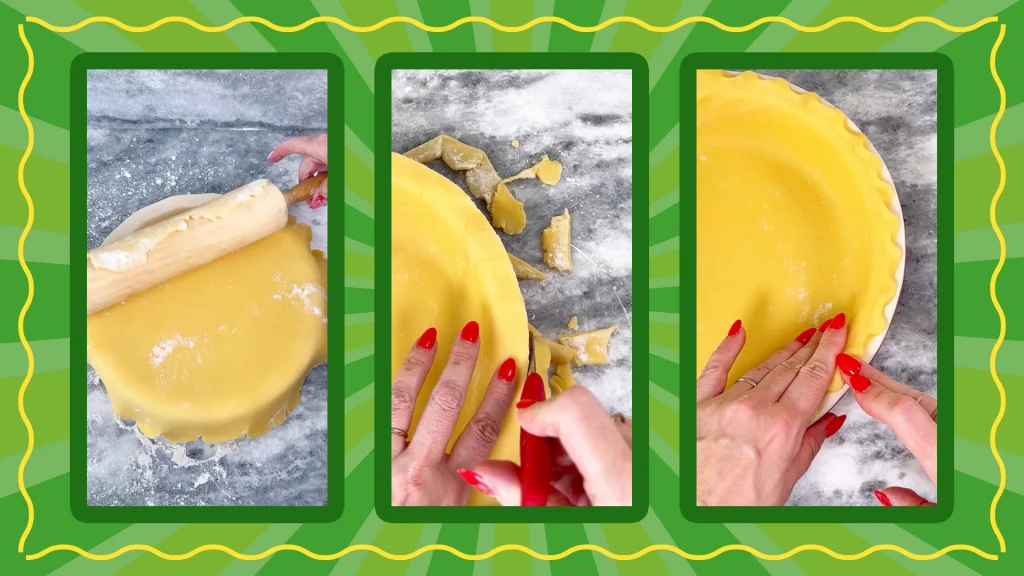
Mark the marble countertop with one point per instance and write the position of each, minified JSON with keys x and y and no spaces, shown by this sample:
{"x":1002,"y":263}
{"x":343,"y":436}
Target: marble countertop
{"x":583,"y":119}
{"x":154,"y":134}
{"x":896,"y":109}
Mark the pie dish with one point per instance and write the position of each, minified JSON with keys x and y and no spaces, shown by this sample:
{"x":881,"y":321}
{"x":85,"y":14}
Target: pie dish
{"x":797,"y":220}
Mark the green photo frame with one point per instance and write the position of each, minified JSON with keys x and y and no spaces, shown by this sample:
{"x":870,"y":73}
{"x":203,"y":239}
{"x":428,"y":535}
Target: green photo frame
{"x":688,"y":304}
{"x":386,"y":64}
{"x":80,"y":508}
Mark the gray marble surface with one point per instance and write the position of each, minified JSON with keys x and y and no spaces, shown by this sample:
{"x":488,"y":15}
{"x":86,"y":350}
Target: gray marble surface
{"x":154,"y":134}
{"x":583,"y":119}
{"x":896,"y":109}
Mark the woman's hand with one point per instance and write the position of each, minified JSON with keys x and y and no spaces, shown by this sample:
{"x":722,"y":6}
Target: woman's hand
{"x":911,"y":415}
{"x":422,"y":474}
{"x":314,"y":148}
{"x":753,"y":440}
{"x":593,"y":454}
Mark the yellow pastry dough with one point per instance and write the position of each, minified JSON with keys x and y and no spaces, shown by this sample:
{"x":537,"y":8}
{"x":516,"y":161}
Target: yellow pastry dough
{"x":524,"y":271}
{"x":220,"y":351}
{"x":483,"y":180}
{"x":449,"y":267}
{"x":506,"y":212}
{"x":574,"y":323}
{"x":481,"y":177}
{"x":560,"y":354}
{"x":533,"y":331}
{"x":564,"y":374}
{"x":548,"y":171}
{"x":589,"y":347}
{"x":542,"y":362}
{"x":794,"y":223}
{"x":555,"y":241}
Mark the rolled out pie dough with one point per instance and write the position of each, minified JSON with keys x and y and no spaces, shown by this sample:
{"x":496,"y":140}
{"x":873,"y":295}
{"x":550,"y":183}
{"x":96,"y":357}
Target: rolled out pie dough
{"x":218,"y":352}
{"x":449,"y":267}
{"x":797,"y":220}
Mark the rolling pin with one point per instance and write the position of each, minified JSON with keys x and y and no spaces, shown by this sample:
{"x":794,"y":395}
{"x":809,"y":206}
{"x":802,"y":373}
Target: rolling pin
{"x":161,"y":251}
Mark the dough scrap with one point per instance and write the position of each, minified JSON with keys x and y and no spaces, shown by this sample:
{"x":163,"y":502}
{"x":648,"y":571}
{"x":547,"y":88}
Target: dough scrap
{"x":515,"y":143}
{"x":560,"y":354}
{"x":555,"y":241}
{"x":221,"y":351}
{"x":542,"y":361}
{"x":481,"y":178}
{"x":506,"y":212}
{"x":574,"y":323}
{"x":564,"y":373}
{"x":524,"y":271}
{"x":449,"y":267}
{"x":548,"y":171}
{"x":589,"y":347}
{"x":785,"y":168}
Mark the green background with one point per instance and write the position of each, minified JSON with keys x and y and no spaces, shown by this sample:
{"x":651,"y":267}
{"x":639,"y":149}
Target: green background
{"x":975,"y":252}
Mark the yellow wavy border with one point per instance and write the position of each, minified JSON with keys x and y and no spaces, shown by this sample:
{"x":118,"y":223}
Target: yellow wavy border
{"x":992,"y":288}
{"x":31,"y":287}
{"x":512,"y":547}
{"x":520,"y":28}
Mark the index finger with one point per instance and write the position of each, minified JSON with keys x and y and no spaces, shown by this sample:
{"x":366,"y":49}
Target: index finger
{"x":808,"y":388}
{"x":442,"y":411}
{"x":591,"y":440}
{"x":305,"y":145}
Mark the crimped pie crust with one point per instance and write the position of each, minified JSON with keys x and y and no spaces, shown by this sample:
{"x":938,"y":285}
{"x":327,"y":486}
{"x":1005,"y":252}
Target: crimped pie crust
{"x":797,"y":220}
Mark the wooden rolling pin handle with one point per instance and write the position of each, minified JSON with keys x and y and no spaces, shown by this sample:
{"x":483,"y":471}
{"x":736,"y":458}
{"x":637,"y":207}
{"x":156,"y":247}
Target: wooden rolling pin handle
{"x":304,"y":190}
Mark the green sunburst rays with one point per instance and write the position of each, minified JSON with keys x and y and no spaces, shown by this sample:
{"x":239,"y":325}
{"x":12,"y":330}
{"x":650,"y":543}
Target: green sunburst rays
{"x":975,"y":243}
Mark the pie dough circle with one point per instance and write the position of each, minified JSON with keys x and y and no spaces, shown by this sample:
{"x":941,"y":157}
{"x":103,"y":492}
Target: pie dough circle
{"x":218,"y":352}
{"x":448,"y":267}
{"x":797,"y":220}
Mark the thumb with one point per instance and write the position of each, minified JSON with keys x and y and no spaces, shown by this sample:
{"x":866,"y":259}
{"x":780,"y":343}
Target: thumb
{"x":811,"y":443}
{"x":500,"y":479}
{"x":319,"y":197}
{"x":896,"y":496}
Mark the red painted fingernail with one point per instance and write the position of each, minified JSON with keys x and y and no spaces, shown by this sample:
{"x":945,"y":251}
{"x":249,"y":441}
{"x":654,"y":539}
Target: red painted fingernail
{"x":525,"y":403}
{"x":470,"y":332}
{"x":883,"y":498}
{"x":475,"y":481}
{"x":824,"y":326}
{"x":847,"y":364}
{"x":805,"y":336}
{"x":507,"y":372}
{"x":859,"y":383}
{"x":316,"y":201}
{"x":834,"y":425}
{"x":735,"y":328}
{"x":838,"y":322}
{"x":428,"y":339}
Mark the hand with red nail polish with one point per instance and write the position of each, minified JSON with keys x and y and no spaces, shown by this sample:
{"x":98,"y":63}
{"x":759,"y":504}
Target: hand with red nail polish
{"x":910,"y":413}
{"x":314,"y":148}
{"x":753,"y":441}
{"x":572,"y":453}
{"x":422,"y":472}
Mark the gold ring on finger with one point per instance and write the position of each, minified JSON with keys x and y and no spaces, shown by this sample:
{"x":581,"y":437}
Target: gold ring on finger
{"x":748,"y":381}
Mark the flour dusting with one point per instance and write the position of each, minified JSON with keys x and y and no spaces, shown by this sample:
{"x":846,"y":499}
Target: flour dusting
{"x":308,"y":293}
{"x":164,"y":348}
